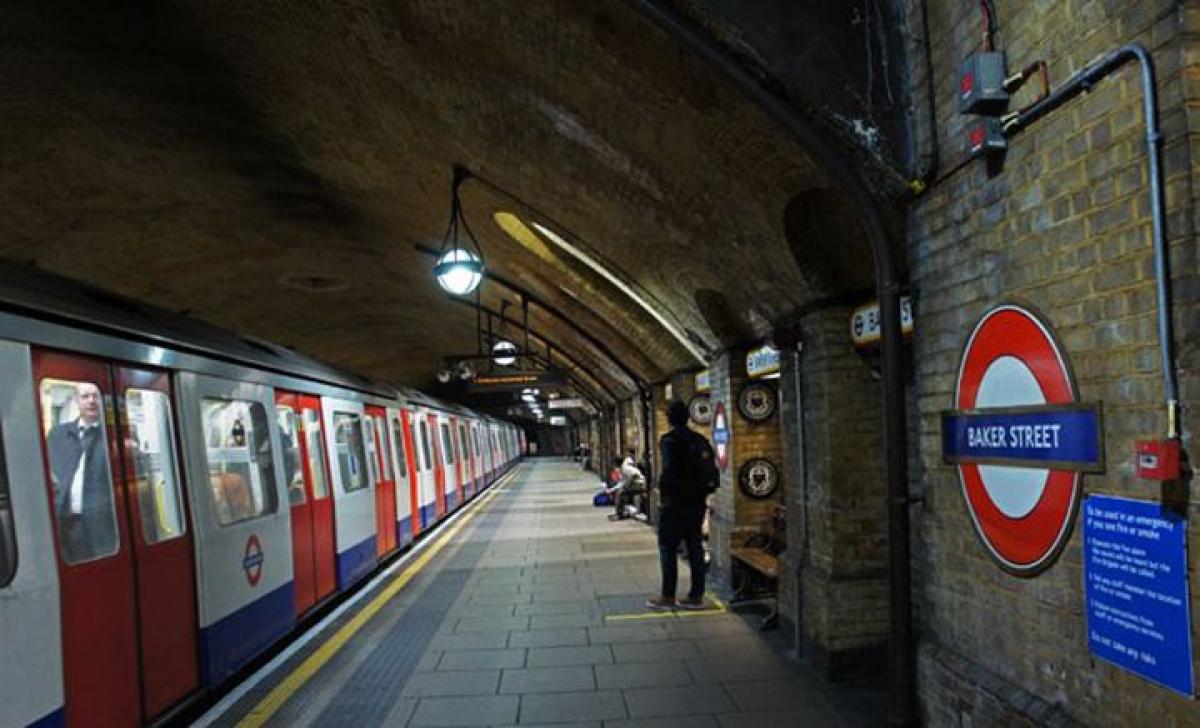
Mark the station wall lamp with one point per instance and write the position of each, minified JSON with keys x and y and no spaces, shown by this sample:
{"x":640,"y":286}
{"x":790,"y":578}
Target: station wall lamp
{"x":458,"y":269}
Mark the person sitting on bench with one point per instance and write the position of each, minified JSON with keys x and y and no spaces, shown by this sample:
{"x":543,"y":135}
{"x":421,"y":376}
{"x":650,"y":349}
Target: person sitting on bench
{"x":631,"y":484}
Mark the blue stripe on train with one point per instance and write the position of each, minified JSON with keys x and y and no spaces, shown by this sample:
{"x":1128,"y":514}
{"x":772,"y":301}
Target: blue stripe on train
{"x":355,"y":562}
{"x":427,"y":514}
{"x":404,"y":534}
{"x":54,"y":719}
{"x":451,"y":501}
{"x":232,"y":641}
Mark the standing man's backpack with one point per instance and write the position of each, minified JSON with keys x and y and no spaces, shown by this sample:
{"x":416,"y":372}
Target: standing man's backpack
{"x":702,"y":465}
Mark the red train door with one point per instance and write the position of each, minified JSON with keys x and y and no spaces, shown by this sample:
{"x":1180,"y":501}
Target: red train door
{"x":439,"y":467}
{"x":304,"y":570}
{"x":414,"y":485}
{"x":166,"y":579}
{"x":460,"y":466}
{"x":316,"y":476}
{"x":385,"y":485}
{"x":124,"y":547}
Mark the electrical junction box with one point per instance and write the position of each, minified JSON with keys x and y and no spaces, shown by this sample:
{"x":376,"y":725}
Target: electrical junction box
{"x":985,"y":137}
{"x":981,"y":85}
{"x":1158,"y":460}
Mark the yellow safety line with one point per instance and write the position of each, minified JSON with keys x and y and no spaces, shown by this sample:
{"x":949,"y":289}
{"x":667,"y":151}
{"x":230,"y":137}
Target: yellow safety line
{"x":720,"y":609}
{"x":271,"y":704}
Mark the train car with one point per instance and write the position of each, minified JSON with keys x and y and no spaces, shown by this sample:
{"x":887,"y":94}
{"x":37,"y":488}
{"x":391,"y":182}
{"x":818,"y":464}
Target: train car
{"x":174,"y":498}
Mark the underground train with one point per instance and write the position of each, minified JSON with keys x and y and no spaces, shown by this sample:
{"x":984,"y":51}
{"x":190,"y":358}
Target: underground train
{"x":175,"y":498}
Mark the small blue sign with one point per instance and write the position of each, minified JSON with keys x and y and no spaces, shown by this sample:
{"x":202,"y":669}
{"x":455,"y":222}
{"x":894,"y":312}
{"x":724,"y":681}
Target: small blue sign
{"x":1061,"y":437}
{"x":1135,"y":581}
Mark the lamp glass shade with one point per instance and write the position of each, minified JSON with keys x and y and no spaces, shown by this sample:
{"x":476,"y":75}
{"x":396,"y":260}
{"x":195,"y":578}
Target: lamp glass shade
{"x":458,"y":271}
{"x":504,"y":353}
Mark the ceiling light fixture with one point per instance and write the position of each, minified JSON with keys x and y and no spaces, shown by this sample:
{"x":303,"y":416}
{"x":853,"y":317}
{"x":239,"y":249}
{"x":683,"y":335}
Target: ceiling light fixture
{"x":458,"y":269}
{"x":504,"y":353}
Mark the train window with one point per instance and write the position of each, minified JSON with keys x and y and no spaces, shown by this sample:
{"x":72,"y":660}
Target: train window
{"x":80,"y":476}
{"x":293,"y":469}
{"x":311,"y":420}
{"x":350,"y":453}
{"x":463,"y":442}
{"x":427,"y":461}
{"x":447,"y":448}
{"x":8,"y":533}
{"x":478,"y":449}
{"x":385,"y":452}
{"x":155,"y":467}
{"x":368,"y":424}
{"x":398,"y":441}
{"x":241,"y":466}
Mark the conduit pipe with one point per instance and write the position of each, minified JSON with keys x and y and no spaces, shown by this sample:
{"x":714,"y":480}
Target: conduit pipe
{"x":1082,"y":82}
{"x":825,"y":151}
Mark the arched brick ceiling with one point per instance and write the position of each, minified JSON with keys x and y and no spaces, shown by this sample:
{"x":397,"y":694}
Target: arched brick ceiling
{"x":270,"y":166}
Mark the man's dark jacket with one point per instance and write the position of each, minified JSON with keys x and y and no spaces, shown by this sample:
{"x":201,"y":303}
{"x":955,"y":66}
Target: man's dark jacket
{"x":677,"y":486}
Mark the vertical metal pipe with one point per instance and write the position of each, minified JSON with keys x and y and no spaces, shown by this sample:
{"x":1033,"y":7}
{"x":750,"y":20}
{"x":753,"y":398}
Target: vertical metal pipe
{"x":1080,"y":83}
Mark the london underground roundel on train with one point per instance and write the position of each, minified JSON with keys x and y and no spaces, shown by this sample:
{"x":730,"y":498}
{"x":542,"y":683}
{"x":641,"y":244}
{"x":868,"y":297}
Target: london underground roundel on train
{"x":1020,"y":438}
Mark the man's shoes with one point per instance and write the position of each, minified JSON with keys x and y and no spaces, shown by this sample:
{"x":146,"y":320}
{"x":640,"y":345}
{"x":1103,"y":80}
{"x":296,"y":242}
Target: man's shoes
{"x":693,"y":604}
{"x":661,"y":603}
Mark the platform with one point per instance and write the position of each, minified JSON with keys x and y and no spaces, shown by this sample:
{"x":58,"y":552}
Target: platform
{"x":527,"y":610}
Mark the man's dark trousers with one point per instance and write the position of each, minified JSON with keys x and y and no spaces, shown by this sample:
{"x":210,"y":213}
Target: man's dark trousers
{"x":675,"y":524}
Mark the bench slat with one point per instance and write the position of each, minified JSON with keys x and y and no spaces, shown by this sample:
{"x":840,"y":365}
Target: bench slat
{"x":761,"y":561}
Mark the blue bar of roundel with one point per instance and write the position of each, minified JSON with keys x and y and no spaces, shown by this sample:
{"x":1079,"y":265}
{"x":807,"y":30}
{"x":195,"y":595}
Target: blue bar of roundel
{"x":1136,"y":587}
{"x":1078,"y":436}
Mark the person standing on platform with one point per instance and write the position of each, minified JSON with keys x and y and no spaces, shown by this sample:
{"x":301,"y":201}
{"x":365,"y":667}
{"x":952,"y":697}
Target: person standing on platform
{"x":689,"y":475}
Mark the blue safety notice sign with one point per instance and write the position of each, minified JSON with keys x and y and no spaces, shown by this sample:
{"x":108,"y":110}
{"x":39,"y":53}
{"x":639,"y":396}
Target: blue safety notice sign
{"x":1135,"y":574}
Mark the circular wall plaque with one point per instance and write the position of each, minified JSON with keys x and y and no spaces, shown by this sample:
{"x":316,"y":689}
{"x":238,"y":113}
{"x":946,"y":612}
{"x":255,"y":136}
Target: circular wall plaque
{"x":700,"y":409}
{"x":758,"y":478}
{"x":757,"y":402}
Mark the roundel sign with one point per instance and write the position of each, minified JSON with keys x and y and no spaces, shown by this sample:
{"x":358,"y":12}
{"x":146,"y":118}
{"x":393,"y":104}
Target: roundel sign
{"x":1020,"y":438}
{"x":720,"y":434}
{"x":252,"y":561}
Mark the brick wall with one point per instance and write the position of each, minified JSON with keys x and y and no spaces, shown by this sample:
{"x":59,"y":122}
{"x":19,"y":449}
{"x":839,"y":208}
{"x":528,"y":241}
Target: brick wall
{"x":722,"y":504}
{"x":834,"y":585}
{"x":1065,"y":227}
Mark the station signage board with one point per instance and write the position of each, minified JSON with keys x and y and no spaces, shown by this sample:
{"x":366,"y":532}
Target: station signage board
{"x":720,"y":435}
{"x":502,"y":382}
{"x":1136,"y":587}
{"x":566,"y":403}
{"x":866,"y":329}
{"x":703,"y":381}
{"x":762,"y":362}
{"x":1020,"y":438}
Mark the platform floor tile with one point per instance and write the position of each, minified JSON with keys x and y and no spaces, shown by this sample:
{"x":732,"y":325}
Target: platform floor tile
{"x":531,"y":614}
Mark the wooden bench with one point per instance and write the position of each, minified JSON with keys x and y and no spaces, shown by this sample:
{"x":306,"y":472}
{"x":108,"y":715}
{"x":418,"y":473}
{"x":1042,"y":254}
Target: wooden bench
{"x":759,"y":555}
{"x":761,"y":561}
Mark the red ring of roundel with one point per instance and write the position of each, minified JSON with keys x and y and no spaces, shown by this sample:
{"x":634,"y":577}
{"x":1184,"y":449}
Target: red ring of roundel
{"x":1021,"y":544}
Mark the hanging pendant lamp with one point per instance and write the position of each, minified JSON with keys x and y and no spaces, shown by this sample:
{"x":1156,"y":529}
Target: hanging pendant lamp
{"x":459,"y":270}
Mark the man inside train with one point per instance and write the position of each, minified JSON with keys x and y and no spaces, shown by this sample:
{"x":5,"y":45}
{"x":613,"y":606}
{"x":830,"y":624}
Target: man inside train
{"x":82,"y":480}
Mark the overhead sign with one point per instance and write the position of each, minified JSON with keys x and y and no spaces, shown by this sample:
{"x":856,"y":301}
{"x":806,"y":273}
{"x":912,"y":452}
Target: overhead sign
{"x":703,"y":382}
{"x":720,"y":435}
{"x":866,"y":327}
{"x":1020,"y":438}
{"x":1136,"y":584}
{"x":762,"y":362}
{"x":499,"y":382}
{"x":557,"y":421}
{"x":567,"y":403}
